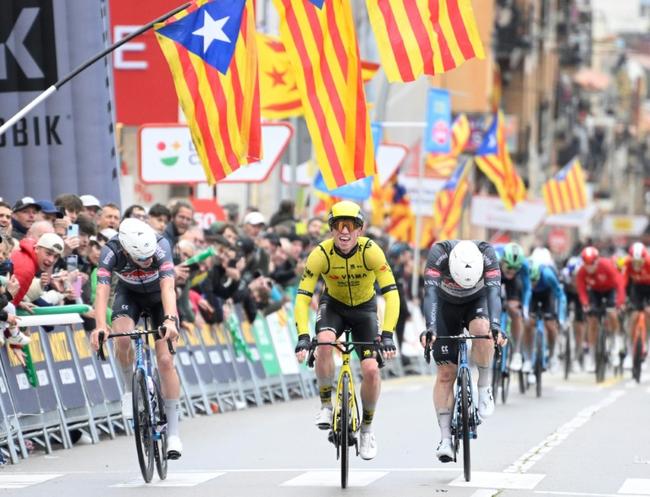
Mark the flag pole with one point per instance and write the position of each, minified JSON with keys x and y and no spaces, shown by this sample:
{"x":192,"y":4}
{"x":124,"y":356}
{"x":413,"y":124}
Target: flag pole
{"x":49,"y":91}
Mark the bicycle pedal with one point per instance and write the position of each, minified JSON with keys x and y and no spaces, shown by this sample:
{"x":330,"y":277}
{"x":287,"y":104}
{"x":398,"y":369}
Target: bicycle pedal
{"x":173,"y":455}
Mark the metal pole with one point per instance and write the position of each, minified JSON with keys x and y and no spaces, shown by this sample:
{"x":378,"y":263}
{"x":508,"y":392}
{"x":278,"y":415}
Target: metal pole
{"x":415,"y":277}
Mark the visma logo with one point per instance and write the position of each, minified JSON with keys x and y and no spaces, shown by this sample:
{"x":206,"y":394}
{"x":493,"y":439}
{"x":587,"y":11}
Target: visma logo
{"x":168,"y":153}
{"x":27,"y":45}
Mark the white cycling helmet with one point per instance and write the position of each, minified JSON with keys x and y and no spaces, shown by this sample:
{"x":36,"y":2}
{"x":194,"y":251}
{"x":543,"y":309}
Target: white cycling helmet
{"x":466,"y":264}
{"x":137,"y":238}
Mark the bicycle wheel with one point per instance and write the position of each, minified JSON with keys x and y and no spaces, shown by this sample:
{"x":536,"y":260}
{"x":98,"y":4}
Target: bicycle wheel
{"x":601,"y":355}
{"x":160,"y":418}
{"x":465,"y":412}
{"x":142,"y":425}
{"x":637,"y":358}
{"x":567,"y":353}
{"x":505,"y":373}
{"x":523,"y":382}
{"x":539,"y":363}
{"x":496,"y":375}
{"x":344,"y":436}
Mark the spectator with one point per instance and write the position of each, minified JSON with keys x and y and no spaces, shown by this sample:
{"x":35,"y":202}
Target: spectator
{"x":182,"y":215}
{"x":9,"y":286}
{"x":136,"y":211}
{"x":5,"y":219}
{"x":109,"y":217}
{"x":315,"y":231}
{"x":285,"y":215}
{"x":38,"y":229}
{"x":223,"y":278}
{"x":49,"y":212}
{"x":254,"y":223}
{"x":196,"y":236}
{"x":105,"y":235}
{"x":229,"y":232}
{"x":33,"y":256}
{"x":69,"y":204}
{"x":159,"y":216}
{"x":24,"y":215}
{"x":232,"y":213}
{"x":91,"y":206}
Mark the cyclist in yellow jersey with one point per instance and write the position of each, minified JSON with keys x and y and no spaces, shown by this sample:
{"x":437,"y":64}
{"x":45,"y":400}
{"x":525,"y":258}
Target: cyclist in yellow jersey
{"x":349,"y":264}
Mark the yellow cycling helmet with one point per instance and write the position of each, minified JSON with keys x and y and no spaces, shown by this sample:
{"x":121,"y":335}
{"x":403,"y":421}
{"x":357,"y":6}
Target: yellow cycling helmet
{"x":345,"y":209}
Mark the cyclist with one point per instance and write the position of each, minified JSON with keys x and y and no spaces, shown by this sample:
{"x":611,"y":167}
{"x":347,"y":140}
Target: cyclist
{"x":515,"y":283}
{"x":547,"y":292}
{"x":598,"y":279}
{"x":568,"y":279}
{"x":143,"y":264}
{"x":349,"y":265}
{"x":636,"y":274}
{"x":462,"y":285}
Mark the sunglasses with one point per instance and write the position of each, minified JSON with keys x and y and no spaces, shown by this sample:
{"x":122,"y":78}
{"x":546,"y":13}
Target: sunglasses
{"x":339,"y":224}
{"x":512,"y":268}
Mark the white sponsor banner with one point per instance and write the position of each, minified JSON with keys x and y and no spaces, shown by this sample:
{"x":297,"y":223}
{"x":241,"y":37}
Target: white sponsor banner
{"x":421,"y":192}
{"x":573,"y":219}
{"x":614,"y":225}
{"x":166,"y":154}
{"x":284,"y":348}
{"x":489,"y":212}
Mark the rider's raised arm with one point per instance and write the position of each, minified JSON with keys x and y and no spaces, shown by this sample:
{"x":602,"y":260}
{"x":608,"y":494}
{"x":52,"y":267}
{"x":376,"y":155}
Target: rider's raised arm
{"x":107,"y":260}
{"x":316,"y":264}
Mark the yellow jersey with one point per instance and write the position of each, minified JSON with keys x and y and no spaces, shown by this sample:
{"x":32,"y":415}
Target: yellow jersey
{"x":349,"y":279}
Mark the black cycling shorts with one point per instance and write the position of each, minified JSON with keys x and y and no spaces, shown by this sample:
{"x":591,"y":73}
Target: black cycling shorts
{"x":543,"y":302}
{"x":572,"y":299}
{"x":451,"y":319}
{"x":639,"y":296}
{"x":134,"y":304}
{"x":361,"y":319}
{"x":595,"y":300}
{"x":512,"y":289}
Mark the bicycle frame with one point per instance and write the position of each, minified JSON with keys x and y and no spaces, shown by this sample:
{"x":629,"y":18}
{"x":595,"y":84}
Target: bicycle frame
{"x":456,"y":422}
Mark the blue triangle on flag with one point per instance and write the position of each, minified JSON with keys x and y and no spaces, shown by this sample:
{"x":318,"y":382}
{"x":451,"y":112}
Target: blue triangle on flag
{"x":318,"y":3}
{"x":489,"y":144}
{"x":210,"y":32}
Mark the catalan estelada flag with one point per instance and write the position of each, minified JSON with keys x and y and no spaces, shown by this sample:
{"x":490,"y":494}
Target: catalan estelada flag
{"x":322,"y":48}
{"x":493,"y":158}
{"x":278,"y":89}
{"x":448,"y":206}
{"x":212,"y":54}
{"x":566,"y":191}
{"x":417,"y":37}
{"x":402,"y":219}
{"x":443,"y":165}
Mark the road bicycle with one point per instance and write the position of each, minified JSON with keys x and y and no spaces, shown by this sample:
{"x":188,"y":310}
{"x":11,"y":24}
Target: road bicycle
{"x":501,"y":363}
{"x":639,"y":340}
{"x":464,"y":418}
{"x":149,"y":418}
{"x":539,"y":357}
{"x":602,"y":357}
{"x":346,"y":421}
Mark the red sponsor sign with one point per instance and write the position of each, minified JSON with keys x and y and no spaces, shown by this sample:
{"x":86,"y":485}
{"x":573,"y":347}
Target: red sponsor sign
{"x":144,"y":90}
{"x":207,"y":211}
{"x":558,"y":240}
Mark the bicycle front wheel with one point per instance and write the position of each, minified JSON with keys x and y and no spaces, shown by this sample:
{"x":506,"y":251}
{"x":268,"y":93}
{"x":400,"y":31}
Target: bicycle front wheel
{"x":567,"y":353}
{"x":497,"y":376}
{"x":160,"y":445}
{"x":344,"y":427}
{"x":601,"y":355}
{"x":142,"y":425}
{"x":465,"y":412}
{"x":637,"y":360}
{"x":505,"y":373}
{"x":539,"y":363}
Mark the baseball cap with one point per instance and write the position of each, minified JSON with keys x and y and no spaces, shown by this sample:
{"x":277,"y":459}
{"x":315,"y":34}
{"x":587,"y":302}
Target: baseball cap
{"x":254,"y":218}
{"x":246,"y":245}
{"x":93,"y":239}
{"x":51,"y":241}
{"x":25,"y":202}
{"x":90,"y":201}
{"x":108,"y":233}
{"x":49,"y":208}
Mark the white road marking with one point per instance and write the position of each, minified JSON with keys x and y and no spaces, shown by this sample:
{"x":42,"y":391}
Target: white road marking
{"x":525,"y":462}
{"x":484,"y":479}
{"x":333,"y":479}
{"x":22,"y":480}
{"x":485,"y":492}
{"x":173,"y":480}
{"x":637,"y":486}
{"x":586,"y":494}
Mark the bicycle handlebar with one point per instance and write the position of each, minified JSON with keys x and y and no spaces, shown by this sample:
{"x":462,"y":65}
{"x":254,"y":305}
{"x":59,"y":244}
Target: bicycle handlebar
{"x":133,"y":335}
{"x":462,"y":337}
{"x":345,"y":348}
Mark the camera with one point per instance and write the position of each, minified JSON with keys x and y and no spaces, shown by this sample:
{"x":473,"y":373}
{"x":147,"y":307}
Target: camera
{"x":6,"y":268}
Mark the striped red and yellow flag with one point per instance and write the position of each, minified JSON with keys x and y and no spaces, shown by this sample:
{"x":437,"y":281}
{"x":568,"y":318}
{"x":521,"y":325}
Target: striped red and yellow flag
{"x":216,"y":79}
{"x":417,"y":37}
{"x":443,"y":165}
{"x":566,"y":191}
{"x":402,"y":220}
{"x":448,"y":206}
{"x":493,"y":158}
{"x":322,"y":47}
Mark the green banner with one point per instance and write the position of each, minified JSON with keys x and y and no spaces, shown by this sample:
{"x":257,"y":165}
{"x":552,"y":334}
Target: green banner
{"x":238,"y":342}
{"x":265,"y":346}
{"x":56,"y":309}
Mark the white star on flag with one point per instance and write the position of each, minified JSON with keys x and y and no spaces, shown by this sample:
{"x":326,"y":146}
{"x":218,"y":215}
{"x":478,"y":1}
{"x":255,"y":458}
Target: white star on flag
{"x":212,"y":30}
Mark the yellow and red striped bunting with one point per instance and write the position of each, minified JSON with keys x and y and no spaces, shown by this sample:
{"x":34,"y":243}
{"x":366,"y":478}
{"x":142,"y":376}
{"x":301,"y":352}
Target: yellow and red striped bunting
{"x":566,"y":191}
{"x":322,"y":48}
{"x":449,"y":203}
{"x":417,"y":37}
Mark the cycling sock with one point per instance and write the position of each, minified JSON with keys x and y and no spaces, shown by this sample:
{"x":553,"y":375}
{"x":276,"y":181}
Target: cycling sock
{"x":368,"y":414}
{"x":444,"y":421}
{"x":484,"y":379}
{"x":325,"y":393}
{"x":172,"y":407}
{"x":127,"y":375}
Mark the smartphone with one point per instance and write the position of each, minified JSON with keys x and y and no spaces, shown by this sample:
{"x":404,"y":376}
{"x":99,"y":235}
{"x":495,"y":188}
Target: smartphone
{"x":6,"y":268}
{"x":71,"y":263}
{"x":73,"y":230}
